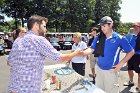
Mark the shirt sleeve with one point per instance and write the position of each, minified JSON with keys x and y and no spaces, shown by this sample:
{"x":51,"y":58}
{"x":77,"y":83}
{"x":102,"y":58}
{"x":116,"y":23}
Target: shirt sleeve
{"x":93,"y":44}
{"x":84,"y":45}
{"x":90,"y":41}
{"x":73,"y":47}
{"x":125,"y":45}
{"x":45,"y":48}
{"x":12,"y":55}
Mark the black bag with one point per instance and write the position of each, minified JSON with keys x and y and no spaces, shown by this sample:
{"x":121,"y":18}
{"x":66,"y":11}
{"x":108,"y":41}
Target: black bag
{"x":137,"y":47}
{"x":99,"y":48}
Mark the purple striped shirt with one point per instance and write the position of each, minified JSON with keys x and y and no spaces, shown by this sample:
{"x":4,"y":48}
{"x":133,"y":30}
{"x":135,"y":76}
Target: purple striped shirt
{"x":27,"y":59}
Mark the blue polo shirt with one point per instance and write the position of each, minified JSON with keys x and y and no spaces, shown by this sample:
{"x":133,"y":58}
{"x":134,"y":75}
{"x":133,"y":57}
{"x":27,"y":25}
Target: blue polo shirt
{"x":133,"y":43}
{"x":129,"y":37}
{"x":112,"y":48}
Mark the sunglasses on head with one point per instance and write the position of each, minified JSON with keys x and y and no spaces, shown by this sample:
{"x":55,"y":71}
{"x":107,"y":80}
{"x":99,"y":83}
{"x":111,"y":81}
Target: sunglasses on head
{"x":135,"y":26}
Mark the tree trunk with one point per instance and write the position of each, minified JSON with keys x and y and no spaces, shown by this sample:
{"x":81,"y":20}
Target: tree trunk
{"x":22,"y":22}
{"x":16,"y":25}
{"x":15,"y":16}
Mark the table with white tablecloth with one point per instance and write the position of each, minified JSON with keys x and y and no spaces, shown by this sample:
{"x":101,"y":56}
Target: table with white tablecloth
{"x":71,"y":82}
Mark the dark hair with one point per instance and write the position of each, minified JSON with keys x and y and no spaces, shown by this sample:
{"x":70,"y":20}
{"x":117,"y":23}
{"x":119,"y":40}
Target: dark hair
{"x":17,"y":32}
{"x":94,"y":29}
{"x":35,"y":18}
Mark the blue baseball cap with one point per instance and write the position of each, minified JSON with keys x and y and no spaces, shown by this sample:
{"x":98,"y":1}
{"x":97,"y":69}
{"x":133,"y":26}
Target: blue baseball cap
{"x":105,"y":20}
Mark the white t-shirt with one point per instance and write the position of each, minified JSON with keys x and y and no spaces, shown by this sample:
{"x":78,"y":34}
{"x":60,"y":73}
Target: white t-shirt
{"x":79,"y":59}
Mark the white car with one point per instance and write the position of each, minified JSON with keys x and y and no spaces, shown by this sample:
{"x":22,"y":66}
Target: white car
{"x":56,"y":45}
{"x":67,"y":45}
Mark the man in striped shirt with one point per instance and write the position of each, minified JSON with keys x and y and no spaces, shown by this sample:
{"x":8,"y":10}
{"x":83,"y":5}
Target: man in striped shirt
{"x":27,"y":57}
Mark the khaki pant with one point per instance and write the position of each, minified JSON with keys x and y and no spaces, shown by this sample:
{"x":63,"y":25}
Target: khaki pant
{"x":93,"y":61}
{"x":107,"y":80}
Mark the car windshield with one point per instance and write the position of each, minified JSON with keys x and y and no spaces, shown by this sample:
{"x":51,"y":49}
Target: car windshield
{"x":54,"y":43}
{"x":67,"y":43}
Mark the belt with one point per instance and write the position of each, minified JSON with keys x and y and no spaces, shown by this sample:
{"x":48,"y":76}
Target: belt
{"x":113,"y":67}
{"x":78,"y":63}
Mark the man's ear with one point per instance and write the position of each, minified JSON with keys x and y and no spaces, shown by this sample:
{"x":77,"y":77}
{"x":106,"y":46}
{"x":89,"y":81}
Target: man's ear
{"x":111,"y":25}
{"x":36,"y":24}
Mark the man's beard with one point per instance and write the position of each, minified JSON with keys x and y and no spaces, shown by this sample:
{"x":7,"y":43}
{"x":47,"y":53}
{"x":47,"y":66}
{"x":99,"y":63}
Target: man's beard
{"x":41,"y":32}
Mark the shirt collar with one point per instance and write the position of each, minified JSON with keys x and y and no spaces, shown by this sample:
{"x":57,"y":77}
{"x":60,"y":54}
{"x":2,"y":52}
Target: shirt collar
{"x":31,"y":32}
{"x":78,"y":43}
{"x":114,"y":34}
{"x":134,"y":34}
{"x":109,"y":37}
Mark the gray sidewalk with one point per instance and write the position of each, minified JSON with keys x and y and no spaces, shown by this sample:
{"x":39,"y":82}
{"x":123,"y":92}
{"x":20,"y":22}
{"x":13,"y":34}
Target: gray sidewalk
{"x":5,"y":72}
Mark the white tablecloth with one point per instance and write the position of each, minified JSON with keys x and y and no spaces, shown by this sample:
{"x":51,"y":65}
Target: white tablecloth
{"x":90,"y":89}
{"x":70,"y":83}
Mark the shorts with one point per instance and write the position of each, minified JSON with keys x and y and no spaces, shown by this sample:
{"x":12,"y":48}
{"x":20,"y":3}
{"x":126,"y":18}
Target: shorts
{"x":79,"y":68}
{"x":134,"y":63}
{"x":93,"y":61}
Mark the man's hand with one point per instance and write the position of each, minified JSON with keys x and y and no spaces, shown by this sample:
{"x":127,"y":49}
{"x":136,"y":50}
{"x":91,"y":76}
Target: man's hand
{"x":88,"y":57}
{"x":68,"y":64}
{"x":79,"y":53}
{"x":118,"y":66}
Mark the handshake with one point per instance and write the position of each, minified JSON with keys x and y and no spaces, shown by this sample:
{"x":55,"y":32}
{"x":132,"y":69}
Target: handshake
{"x":79,"y":53}
{"x":84,"y":52}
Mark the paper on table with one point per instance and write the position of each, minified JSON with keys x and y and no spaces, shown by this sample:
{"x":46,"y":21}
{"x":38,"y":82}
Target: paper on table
{"x":54,"y":66}
{"x":56,"y":91}
{"x":92,"y":89}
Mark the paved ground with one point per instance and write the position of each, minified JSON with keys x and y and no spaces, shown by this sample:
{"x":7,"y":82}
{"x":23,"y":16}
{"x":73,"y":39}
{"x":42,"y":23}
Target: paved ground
{"x":4,"y":74}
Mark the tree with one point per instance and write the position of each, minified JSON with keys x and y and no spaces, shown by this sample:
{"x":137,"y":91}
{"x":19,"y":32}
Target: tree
{"x":101,"y":9}
{"x":78,"y":14}
{"x":114,"y":8}
{"x":107,"y":8}
{"x":124,"y":27}
{"x":63,"y":15}
{"x":16,"y":9}
{"x":67,"y":15}
{"x":1,"y":16}
{"x":1,"y":2}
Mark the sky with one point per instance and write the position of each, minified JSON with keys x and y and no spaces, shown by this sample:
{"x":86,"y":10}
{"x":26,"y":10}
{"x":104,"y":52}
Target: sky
{"x":130,"y":11}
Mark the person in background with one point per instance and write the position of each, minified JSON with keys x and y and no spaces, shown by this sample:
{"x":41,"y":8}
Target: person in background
{"x":78,"y":62}
{"x":93,"y":59}
{"x":134,"y":62}
{"x":84,"y":38}
{"x":1,"y":40}
{"x":61,"y":41}
{"x":8,"y":42}
{"x":107,"y":48}
{"x":20,"y":32}
{"x":27,"y":57}
{"x":129,"y":36}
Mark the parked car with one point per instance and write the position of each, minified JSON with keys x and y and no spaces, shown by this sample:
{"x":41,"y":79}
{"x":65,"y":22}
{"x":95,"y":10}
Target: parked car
{"x":61,"y":44}
{"x":67,"y":45}
{"x":2,"y":49}
{"x":8,"y":43}
{"x":72,"y":42}
{"x":56,"y":45}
